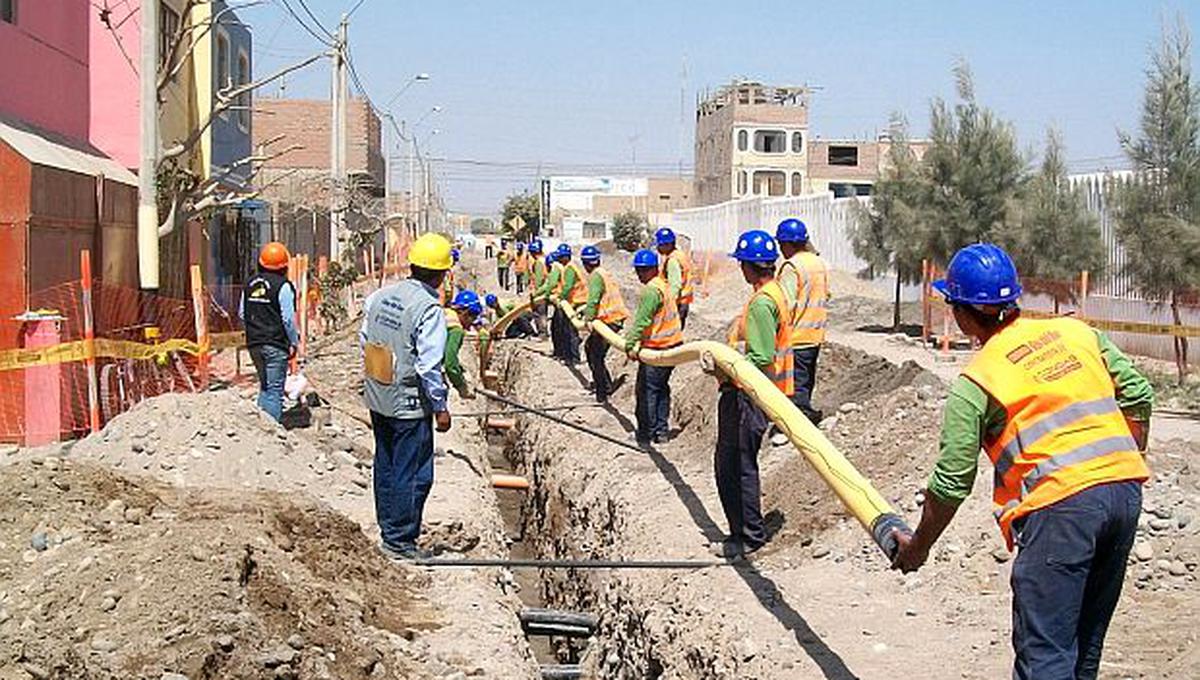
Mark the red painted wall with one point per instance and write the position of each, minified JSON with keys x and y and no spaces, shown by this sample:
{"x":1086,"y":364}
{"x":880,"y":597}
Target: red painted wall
{"x":44,"y":77}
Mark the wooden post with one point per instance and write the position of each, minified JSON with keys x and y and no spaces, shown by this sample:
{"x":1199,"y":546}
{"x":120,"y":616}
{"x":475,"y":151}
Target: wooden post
{"x":89,"y":340}
{"x":302,"y":306}
{"x":926,"y":308}
{"x":200,"y":319}
{"x":1083,"y":293}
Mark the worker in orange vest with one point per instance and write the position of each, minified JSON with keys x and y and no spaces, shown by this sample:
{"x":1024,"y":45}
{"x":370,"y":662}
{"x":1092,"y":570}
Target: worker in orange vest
{"x":1064,"y":417}
{"x":762,"y":333}
{"x":604,"y":304}
{"x":521,"y":268}
{"x":655,"y":325}
{"x":572,"y":287}
{"x":677,"y":270}
{"x":805,"y":281}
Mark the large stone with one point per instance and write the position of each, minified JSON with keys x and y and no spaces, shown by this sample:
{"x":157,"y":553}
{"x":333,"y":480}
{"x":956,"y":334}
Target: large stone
{"x":1143,"y":552}
{"x":1161,"y":524}
{"x":280,"y":656}
{"x":1178,"y":568}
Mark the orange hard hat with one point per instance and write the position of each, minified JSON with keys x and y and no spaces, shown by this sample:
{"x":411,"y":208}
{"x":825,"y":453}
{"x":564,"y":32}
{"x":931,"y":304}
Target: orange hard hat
{"x":274,"y":255}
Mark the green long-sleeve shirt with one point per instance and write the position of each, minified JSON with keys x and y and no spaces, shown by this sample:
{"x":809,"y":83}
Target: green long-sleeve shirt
{"x":568,"y":279}
{"x":595,"y":292}
{"x":450,"y":363}
{"x":970,"y":414}
{"x":762,"y":321}
{"x":674,"y":277}
{"x":649,"y":303}
{"x":550,"y":283}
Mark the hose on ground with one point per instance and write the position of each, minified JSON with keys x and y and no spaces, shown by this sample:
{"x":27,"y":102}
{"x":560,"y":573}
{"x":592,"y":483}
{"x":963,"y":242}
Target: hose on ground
{"x":854,"y":491}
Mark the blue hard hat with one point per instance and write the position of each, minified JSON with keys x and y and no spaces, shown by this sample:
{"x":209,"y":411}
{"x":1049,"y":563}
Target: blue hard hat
{"x":520,"y":246}
{"x":549,"y":259}
{"x":563,"y":250}
{"x":645,"y":258}
{"x":756,"y":245}
{"x":535,"y":246}
{"x":980,"y":274}
{"x":491,"y":299}
{"x":664,"y":236}
{"x":791,"y":230}
{"x":590,"y":254}
{"x":455,"y":254}
{"x":468,"y":301}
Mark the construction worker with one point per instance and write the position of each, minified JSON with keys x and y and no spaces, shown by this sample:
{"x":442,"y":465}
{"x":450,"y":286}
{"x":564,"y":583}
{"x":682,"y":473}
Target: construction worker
{"x":551,"y":288}
{"x":573,"y":289}
{"x":446,"y":292}
{"x":805,"y":281}
{"x":521,"y":327}
{"x":656,"y":325}
{"x":268,"y":312}
{"x":677,"y":270}
{"x":464,"y":311}
{"x":503,"y":264}
{"x":404,"y":344}
{"x":521,"y":268}
{"x":604,"y":304}
{"x":1064,"y":417}
{"x":538,"y":273}
{"x":763,"y":333}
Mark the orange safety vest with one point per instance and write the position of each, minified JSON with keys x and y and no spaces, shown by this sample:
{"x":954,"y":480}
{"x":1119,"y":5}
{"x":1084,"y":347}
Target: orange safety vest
{"x":665,"y":330}
{"x":557,"y":266}
{"x":611,"y":308}
{"x":1064,"y":431}
{"x":521,"y":265}
{"x":687,"y":291}
{"x":578,"y":293}
{"x":809,"y":315}
{"x":780,"y":370}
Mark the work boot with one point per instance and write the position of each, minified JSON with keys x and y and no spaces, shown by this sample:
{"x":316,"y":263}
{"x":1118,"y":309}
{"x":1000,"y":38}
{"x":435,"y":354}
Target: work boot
{"x":662,"y":438}
{"x":730,"y":549}
{"x":405,"y":552}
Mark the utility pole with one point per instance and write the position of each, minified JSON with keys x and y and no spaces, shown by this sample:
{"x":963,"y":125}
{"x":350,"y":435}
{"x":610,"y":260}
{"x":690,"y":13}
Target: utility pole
{"x":147,"y":220}
{"x":410,"y":206}
{"x":337,"y":144}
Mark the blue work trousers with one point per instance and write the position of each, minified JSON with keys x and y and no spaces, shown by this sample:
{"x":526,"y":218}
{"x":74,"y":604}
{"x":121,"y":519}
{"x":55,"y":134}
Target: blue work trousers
{"x":804,"y":375}
{"x":1067,"y":578}
{"x":403,"y":476}
{"x":740,"y":429}
{"x":653,"y":401}
{"x":271,"y":364}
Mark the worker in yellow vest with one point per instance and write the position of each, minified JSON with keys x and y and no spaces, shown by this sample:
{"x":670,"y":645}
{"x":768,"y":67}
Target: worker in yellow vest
{"x":449,"y":288}
{"x":521,"y":268}
{"x":538,"y":271}
{"x":551,"y":288}
{"x":763,"y":333}
{"x":1064,"y":417}
{"x":677,"y":270}
{"x":655,"y":325}
{"x":503,"y":265}
{"x":604,"y":304}
{"x":805,"y":281}
{"x":572,"y":287}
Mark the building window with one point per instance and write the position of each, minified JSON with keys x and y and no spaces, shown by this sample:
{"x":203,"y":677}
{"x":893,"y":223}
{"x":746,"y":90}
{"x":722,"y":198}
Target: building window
{"x":770,"y":182}
{"x":843,"y":155}
{"x":743,"y":140}
{"x":168,"y":25}
{"x":8,"y":11}
{"x":664,"y":197}
{"x":223,"y":80}
{"x":770,"y":141}
{"x":797,"y":184}
{"x":596,"y":231}
{"x":741,"y":183}
{"x":243,"y":99}
{"x":847,"y":189}
{"x":797,"y":142}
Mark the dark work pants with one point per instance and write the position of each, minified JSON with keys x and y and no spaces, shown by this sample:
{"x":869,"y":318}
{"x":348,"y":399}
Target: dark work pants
{"x":521,"y":327}
{"x":740,"y":429}
{"x":684,"y":307}
{"x":564,"y":338}
{"x":596,"y":350}
{"x":502,"y":277}
{"x":653,"y":405}
{"x":403,"y":476}
{"x":520,"y":280}
{"x":804,"y":375}
{"x":1067,"y":578}
{"x":557,"y":337}
{"x":539,"y":317}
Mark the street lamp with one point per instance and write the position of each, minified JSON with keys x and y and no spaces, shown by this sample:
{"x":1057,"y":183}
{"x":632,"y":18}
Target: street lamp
{"x":419,"y":78}
{"x":430,"y":112}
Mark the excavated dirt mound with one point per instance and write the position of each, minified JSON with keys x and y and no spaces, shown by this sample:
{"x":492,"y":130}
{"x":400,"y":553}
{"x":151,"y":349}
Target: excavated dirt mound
{"x":108,"y":576}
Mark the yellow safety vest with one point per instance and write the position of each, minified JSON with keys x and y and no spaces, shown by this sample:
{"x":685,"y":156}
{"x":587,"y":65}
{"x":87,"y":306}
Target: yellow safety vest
{"x":611,"y":308}
{"x":809,"y":315}
{"x":780,"y":371}
{"x":687,"y":289}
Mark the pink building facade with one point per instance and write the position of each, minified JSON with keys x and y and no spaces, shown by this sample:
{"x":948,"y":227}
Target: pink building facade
{"x":44,"y":47}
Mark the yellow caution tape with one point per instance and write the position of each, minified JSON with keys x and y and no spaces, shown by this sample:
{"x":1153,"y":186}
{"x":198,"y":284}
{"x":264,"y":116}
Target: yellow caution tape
{"x":1124,"y":326}
{"x":77,"y":350}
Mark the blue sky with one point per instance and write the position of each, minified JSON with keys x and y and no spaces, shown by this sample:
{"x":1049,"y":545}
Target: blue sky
{"x":587,"y":86}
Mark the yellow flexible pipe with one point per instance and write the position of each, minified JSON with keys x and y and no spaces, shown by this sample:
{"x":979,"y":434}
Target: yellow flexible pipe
{"x":855,"y":492}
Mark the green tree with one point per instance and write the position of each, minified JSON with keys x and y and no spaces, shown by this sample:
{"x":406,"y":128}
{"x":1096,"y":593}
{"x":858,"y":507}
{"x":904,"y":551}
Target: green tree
{"x":1158,"y":214}
{"x":525,"y":206}
{"x":972,"y":169}
{"x":888,"y":232}
{"x":630,"y":230}
{"x":483,"y":225}
{"x":1052,"y":236}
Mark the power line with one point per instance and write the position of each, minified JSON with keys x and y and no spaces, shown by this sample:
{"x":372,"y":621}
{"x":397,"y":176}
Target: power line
{"x":355,"y":8}
{"x":309,"y":12}
{"x":324,"y":41}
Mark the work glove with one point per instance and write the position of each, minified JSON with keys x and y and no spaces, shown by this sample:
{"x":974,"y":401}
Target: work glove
{"x":466,"y":392}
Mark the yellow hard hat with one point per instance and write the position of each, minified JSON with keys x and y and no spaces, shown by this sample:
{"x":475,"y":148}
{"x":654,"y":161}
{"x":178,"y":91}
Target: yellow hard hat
{"x":431,"y":251}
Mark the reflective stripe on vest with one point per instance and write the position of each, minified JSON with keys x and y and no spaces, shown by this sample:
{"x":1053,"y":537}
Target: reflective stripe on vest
{"x":578,"y":293}
{"x":780,"y":371}
{"x":611,"y":308}
{"x":1064,"y":430}
{"x":811,"y":317}
{"x":539,"y":272}
{"x":521,"y":264}
{"x":664,"y":330}
{"x":559,"y":267}
{"x":687,"y":286}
